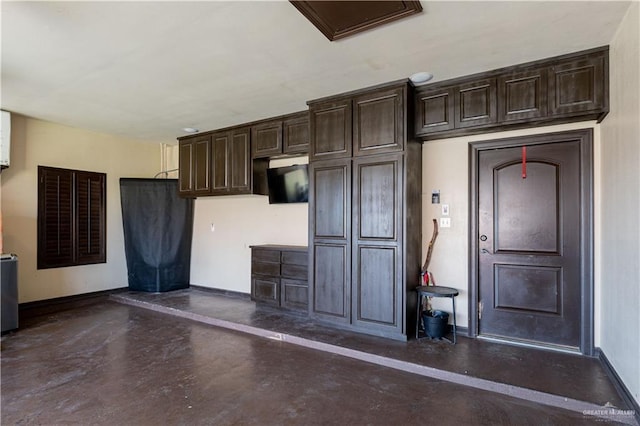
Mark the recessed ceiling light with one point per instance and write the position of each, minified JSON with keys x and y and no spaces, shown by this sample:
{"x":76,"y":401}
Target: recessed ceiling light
{"x":420,"y":78}
{"x":190,"y":130}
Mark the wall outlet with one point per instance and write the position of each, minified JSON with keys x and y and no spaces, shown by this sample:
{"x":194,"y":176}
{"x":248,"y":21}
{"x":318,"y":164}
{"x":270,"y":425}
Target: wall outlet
{"x":445,"y":222}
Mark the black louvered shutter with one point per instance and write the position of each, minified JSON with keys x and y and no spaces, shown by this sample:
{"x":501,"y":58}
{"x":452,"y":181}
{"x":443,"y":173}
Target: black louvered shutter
{"x":55,"y":217}
{"x":71,"y":217}
{"x":90,"y":217}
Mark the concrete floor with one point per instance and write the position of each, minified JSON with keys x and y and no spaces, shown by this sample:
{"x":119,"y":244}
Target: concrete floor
{"x":117,"y":364}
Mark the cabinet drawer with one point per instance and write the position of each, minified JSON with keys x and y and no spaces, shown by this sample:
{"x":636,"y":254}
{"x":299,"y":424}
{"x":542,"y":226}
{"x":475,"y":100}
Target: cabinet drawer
{"x":295,"y":257}
{"x":265,"y":255}
{"x":294,"y":294}
{"x":266,"y":289}
{"x":265,"y":268}
{"x":295,"y":271}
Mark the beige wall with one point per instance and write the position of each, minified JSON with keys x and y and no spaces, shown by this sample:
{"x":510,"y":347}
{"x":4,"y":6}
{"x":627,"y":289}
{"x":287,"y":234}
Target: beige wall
{"x":620,"y":220}
{"x":35,"y":142}
{"x":222,"y":258}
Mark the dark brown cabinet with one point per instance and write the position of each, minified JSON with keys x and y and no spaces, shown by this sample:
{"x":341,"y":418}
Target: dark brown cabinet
{"x":231,"y":169}
{"x":475,"y":103}
{"x":295,"y":134}
{"x":279,"y":276}
{"x":523,"y":95}
{"x":435,"y":110}
{"x":287,"y":135}
{"x":378,"y":124}
{"x":562,"y":89}
{"x":267,"y":139}
{"x":330,"y":227}
{"x":363,"y":265}
{"x":330,"y":128}
{"x":195,"y":164}
{"x":578,"y":86}
{"x":234,"y":160}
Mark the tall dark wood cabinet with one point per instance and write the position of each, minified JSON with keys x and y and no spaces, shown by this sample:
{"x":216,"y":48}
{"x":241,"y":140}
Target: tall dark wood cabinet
{"x":364,"y":211}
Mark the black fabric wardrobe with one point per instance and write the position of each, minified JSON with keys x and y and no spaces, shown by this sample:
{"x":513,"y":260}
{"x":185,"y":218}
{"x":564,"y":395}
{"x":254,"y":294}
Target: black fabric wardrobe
{"x":158,"y":228}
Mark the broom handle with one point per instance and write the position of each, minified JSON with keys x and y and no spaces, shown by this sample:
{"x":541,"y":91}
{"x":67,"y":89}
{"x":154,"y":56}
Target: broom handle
{"x":430,"y":248}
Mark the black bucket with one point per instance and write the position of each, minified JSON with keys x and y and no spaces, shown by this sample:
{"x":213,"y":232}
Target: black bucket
{"x":435,"y":323}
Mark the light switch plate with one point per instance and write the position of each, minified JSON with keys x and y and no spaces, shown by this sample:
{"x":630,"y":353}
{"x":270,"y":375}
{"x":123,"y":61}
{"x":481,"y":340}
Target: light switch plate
{"x":445,"y":222}
{"x":445,"y":210}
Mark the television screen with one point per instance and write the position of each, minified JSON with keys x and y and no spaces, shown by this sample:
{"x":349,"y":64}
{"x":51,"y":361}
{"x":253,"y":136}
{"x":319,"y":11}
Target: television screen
{"x":288,"y":184}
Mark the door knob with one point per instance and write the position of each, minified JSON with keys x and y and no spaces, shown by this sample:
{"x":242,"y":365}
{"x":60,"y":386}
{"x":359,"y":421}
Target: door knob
{"x":483,"y":238}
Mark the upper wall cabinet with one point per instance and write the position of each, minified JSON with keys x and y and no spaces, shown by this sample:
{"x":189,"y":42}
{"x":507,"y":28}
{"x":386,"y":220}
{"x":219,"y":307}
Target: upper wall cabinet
{"x":287,"y":135}
{"x":231,"y":164}
{"x":267,"y":139}
{"x":235,"y":160}
{"x":295,"y":134}
{"x":220,"y":164}
{"x":330,"y":126}
{"x":578,"y":86}
{"x":378,"y":122}
{"x":195,"y":166}
{"x":359,"y":123}
{"x":562,"y":89}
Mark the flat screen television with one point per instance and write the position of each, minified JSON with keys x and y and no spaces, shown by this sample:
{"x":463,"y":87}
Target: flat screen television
{"x":288,"y":184}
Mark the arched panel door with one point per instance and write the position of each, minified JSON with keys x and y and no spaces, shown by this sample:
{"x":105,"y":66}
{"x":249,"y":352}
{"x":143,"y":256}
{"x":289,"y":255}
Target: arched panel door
{"x":529,"y":256}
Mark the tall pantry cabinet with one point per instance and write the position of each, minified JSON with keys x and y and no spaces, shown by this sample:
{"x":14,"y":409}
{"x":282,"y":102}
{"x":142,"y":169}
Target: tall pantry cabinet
{"x":365,"y":210}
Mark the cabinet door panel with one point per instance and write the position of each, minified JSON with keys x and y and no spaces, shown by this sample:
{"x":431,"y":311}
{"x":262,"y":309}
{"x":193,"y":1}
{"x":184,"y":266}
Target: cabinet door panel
{"x":220,"y":163}
{"x":331,"y":275}
{"x":266,"y":289}
{"x":522,"y":95}
{"x":240,"y":162}
{"x":376,"y":285}
{"x":185,"y":172}
{"x":330,"y":199}
{"x":577,"y":86}
{"x":201,"y":171}
{"x":379,"y":122}
{"x":476,"y":104}
{"x":377,"y":183}
{"x":295,"y":135}
{"x":435,"y":110}
{"x":266,"y":139}
{"x":330,"y":126}
{"x":294,"y":294}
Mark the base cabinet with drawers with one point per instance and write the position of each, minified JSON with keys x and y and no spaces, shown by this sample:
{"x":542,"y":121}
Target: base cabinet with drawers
{"x":279,"y":276}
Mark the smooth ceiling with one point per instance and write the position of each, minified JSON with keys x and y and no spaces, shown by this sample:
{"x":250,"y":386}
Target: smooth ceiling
{"x":147,"y":69}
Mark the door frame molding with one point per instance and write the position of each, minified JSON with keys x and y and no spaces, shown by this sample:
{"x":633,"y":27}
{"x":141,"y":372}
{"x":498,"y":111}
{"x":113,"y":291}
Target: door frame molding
{"x":585,"y":137}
